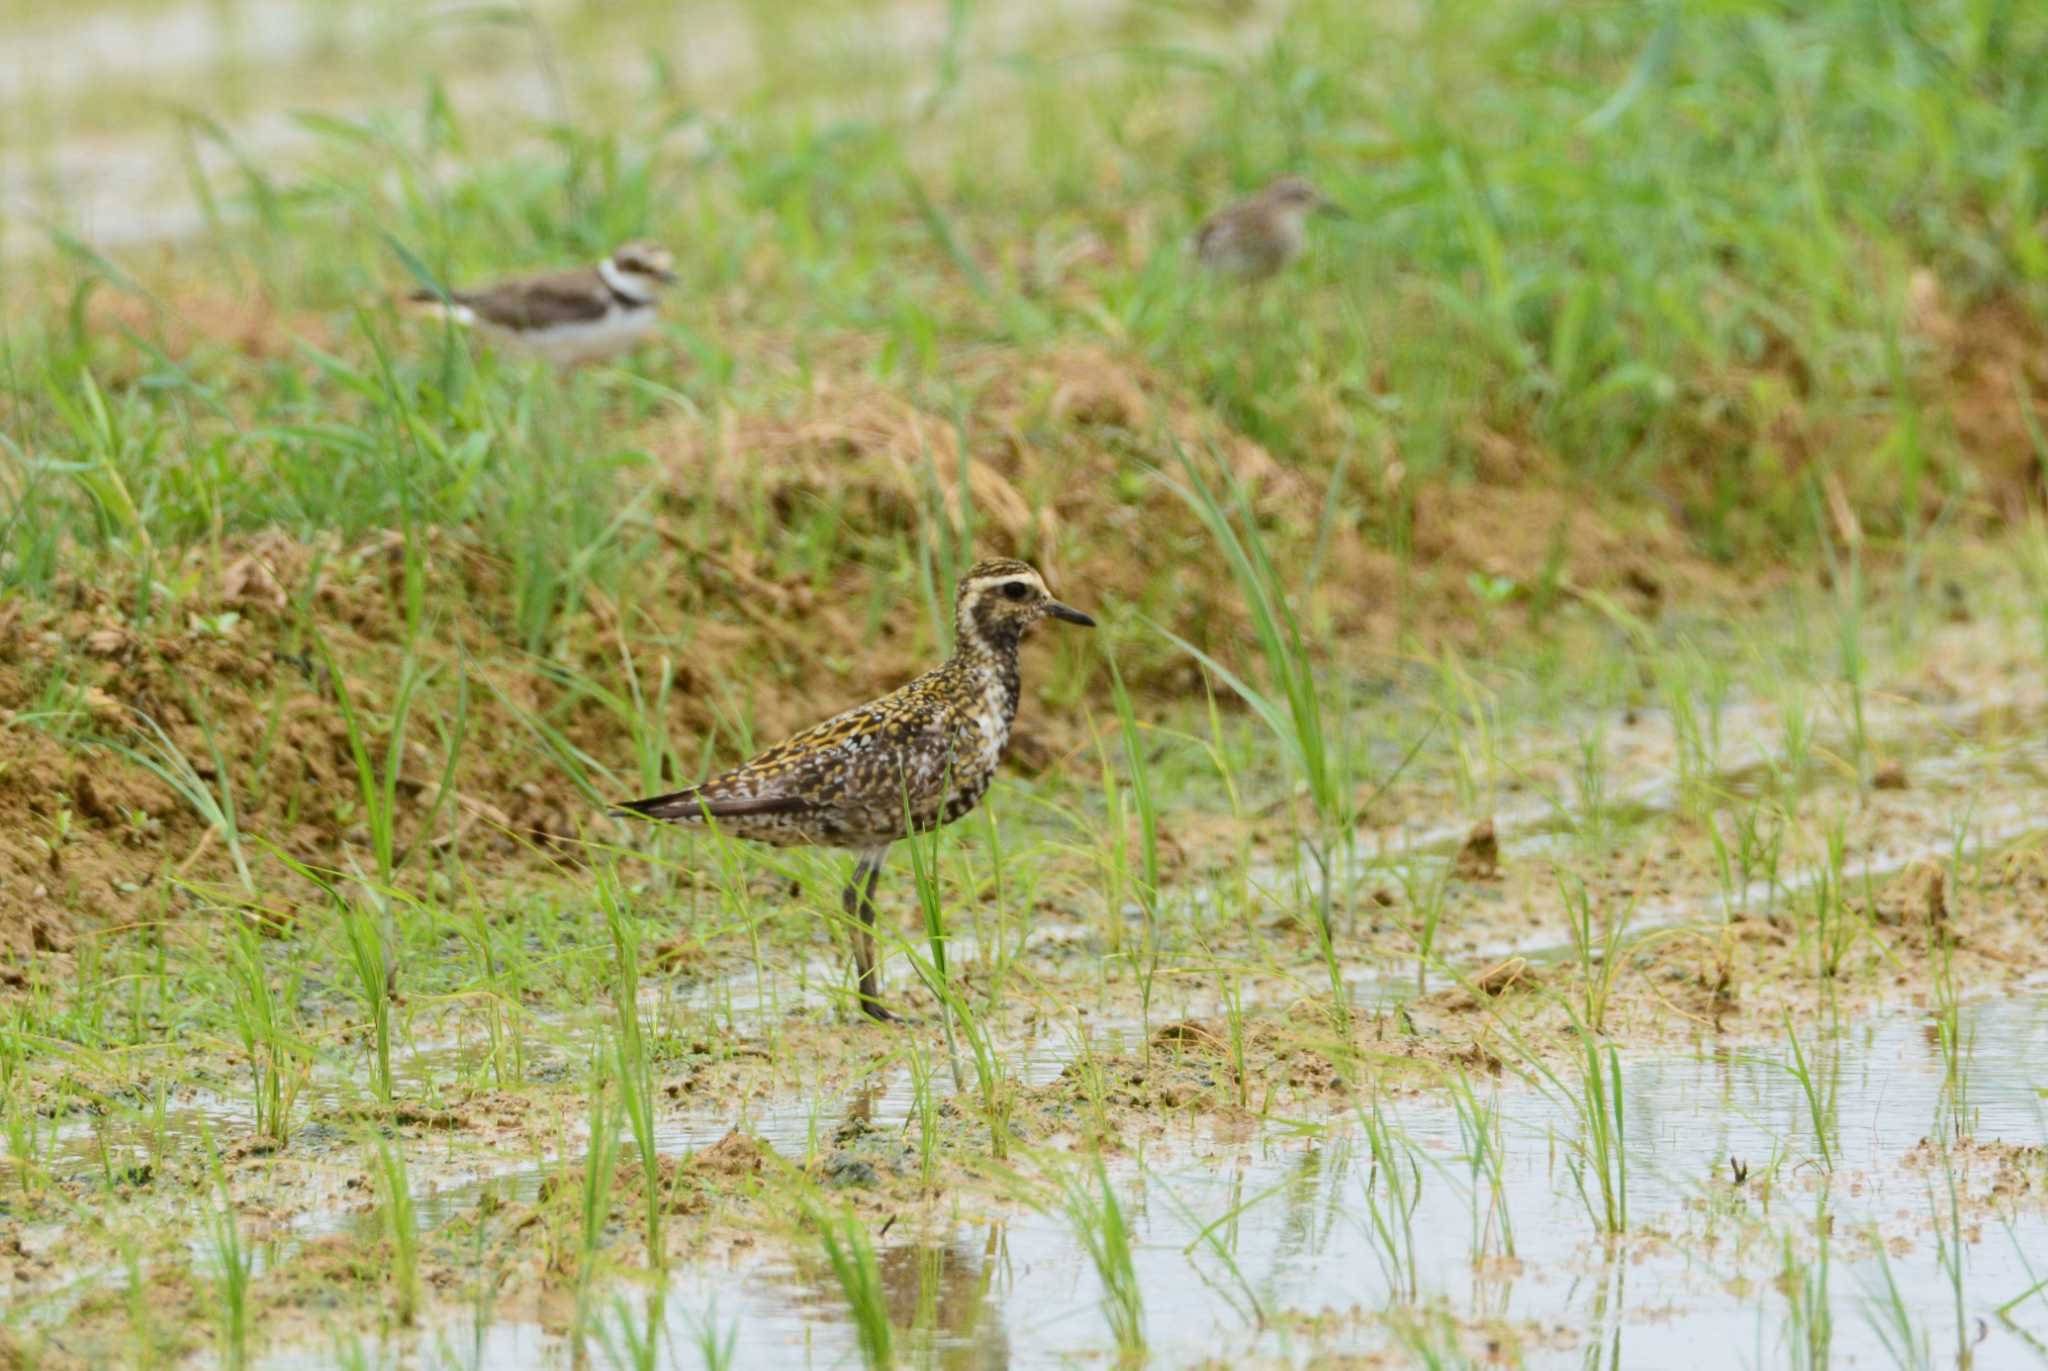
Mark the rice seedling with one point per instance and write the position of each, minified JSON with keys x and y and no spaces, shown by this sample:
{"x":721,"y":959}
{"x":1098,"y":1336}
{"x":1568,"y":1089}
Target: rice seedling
{"x":925,"y":1109}
{"x":376,"y":975}
{"x":499,"y":993}
{"x":1594,"y":822}
{"x":1835,"y":925}
{"x":1601,"y":1148}
{"x":266,"y":1023}
{"x":234,"y":1264}
{"x":399,"y":1218}
{"x":1429,"y":1335}
{"x":593,"y":1188}
{"x":1810,"y":1326}
{"x":1232,"y":995}
{"x":1597,"y":944}
{"x":1219,"y":1237}
{"x":850,"y":1255}
{"x":956,"y":1012}
{"x":1293,"y":710}
{"x":716,"y":1347}
{"x":1949,"y":1253}
{"x":1890,"y":1316}
{"x":25,"y":1140}
{"x":1098,"y":1220}
{"x":1793,"y":760}
{"x":1147,"y":807}
{"x":1485,"y":1157}
{"x":1819,"y":1082}
{"x":1393,"y":1192}
{"x":632,"y":1069}
{"x":633,"y":1341}
{"x":1953,"y":1038}
{"x":1425,"y":884}
{"x":377,"y":785}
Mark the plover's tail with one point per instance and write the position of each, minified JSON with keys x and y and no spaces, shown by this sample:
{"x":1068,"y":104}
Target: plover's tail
{"x":680,"y":805}
{"x":428,"y":305}
{"x":699,"y":803}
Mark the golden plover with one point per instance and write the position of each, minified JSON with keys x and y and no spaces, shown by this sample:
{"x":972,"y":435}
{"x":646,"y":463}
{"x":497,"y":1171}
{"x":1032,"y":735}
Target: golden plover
{"x":1258,"y":235}
{"x":919,"y":757}
{"x":583,"y":315}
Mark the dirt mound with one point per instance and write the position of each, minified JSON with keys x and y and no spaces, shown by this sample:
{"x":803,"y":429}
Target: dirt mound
{"x":733,"y":1156}
{"x":1077,"y":459}
{"x":1072,"y":460}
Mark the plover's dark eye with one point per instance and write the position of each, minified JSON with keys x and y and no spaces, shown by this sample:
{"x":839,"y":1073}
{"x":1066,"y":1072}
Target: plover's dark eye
{"x":1016,"y":590}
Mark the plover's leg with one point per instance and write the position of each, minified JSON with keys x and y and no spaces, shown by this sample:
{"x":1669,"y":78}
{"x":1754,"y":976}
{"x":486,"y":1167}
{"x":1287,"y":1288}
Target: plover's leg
{"x":859,"y":902}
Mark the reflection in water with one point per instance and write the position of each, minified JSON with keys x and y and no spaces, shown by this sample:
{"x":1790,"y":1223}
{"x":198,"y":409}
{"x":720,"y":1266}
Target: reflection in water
{"x":944,"y":1299}
{"x":1610,"y":1309}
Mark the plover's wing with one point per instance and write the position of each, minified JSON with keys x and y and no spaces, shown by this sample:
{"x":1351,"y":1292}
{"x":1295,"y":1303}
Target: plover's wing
{"x":872,"y":760}
{"x":539,"y":303}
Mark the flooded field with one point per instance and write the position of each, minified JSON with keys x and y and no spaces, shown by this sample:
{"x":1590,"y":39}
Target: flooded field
{"x":1531,"y":849}
{"x":1555,"y":1130}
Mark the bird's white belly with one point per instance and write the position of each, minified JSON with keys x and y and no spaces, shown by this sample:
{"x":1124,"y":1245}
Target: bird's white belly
{"x":592,"y":341}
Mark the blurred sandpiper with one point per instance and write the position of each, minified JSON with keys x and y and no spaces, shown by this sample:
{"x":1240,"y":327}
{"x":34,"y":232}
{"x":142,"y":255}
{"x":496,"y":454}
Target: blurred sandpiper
{"x":1255,"y":237}
{"x":587,"y":314}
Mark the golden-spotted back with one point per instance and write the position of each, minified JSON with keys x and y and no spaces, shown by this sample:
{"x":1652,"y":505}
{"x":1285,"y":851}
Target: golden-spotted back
{"x":918,"y":757}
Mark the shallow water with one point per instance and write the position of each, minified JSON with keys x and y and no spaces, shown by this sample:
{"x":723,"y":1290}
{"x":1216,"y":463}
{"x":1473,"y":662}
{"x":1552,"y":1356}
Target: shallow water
{"x":1695,"y":1283}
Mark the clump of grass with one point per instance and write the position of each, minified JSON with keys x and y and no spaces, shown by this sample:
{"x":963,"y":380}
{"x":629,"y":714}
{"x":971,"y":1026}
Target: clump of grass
{"x":215,"y":803}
